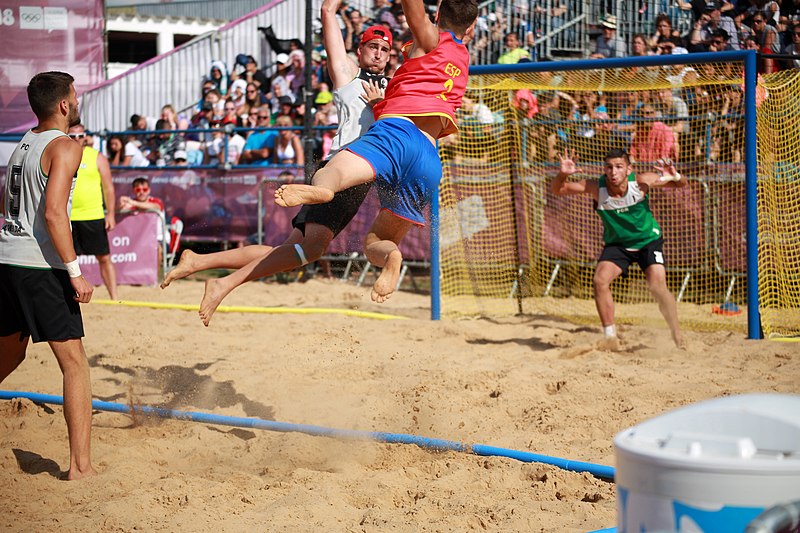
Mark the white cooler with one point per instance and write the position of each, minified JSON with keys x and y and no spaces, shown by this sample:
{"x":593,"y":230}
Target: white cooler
{"x":710,"y":467}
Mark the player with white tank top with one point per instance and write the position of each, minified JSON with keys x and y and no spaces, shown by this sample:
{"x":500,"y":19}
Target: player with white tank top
{"x":41,"y":285}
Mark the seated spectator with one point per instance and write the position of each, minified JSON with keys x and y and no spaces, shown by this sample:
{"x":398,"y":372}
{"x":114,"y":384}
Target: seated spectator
{"x":608,"y":44}
{"x":141,"y":201}
{"x":231,"y":117}
{"x":353,"y":27}
{"x":287,"y":148}
{"x":296,"y":74}
{"x":627,"y":108}
{"x":162,"y":146}
{"x":394,"y":62}
{"x":285,"y":108}
{"x":207,"y":86}
{"x":663,"y":32}
{"x":126,"y":154}
{"x":251,"y":74}
{"x":238,"y":93}
{"x":323,"y":103}
{"x":513,"y":51}
{"x":218,"y":104}
{"x":253,"y":99}
{"x":639,"y":46}
{"x":181,"y":159}
{"x":176,"y":122}
{"x":667,"y":45}
{"x":793,"y":48}
{"x":709,"y":22}
{"x":719,"y":41}
{"x":215,"y":150}
{"x":258,"y":148}
{"x":139,"y":123}
{"x":218,"y":75}
{"x":652,"y":139}
{"x":768,"y":43}
{"x":279,"y":81}
{"x":202,"y":120}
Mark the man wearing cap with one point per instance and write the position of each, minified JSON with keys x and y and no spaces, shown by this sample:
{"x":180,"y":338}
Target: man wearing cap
{"x":608,"y":44}
{"x":356,"y":87}
{"x":710,"y":21}
{"x":399,"y":151}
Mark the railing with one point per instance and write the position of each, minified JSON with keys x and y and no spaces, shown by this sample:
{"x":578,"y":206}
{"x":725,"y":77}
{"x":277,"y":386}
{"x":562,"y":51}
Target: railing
{"x":176,"y":77}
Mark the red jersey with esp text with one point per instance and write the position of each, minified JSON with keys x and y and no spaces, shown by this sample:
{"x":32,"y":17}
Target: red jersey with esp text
{"x":429,"y":85}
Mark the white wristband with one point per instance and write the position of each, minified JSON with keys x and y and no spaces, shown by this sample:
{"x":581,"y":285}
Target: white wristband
{"x":73,"y":269}
{"x":671,"y":177}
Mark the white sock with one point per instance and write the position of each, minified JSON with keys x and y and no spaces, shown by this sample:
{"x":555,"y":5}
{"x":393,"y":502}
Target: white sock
{"x":610,"y":331}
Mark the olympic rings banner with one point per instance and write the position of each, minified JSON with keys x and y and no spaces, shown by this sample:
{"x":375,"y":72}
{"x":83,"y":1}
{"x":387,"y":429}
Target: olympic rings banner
{"x":43,"y":35}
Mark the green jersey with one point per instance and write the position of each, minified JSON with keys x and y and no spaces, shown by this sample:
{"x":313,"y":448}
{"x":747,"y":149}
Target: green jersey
{"x":627,"y":221}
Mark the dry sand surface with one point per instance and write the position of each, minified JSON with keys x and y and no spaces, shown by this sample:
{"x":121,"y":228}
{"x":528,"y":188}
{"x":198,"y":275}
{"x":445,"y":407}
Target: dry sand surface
{"x":525,"y":383}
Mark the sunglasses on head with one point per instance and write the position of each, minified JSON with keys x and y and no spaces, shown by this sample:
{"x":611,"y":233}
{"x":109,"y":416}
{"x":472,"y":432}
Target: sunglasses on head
{"x":77,"y":135}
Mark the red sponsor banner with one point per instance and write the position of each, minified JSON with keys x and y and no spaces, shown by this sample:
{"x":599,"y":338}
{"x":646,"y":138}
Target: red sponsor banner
{"x":43,"y":35}
{"x":217,"y":205}
{"x":134,"y":251}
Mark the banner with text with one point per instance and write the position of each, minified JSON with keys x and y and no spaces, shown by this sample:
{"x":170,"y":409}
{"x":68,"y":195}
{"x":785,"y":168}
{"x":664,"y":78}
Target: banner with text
{"x":134,"y":251}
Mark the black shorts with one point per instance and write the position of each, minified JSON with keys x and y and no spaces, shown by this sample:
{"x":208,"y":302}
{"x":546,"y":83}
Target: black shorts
{"x":38,"y":303}
{"x":651,"y":254}
{"x":337,"y":213}
{"x":89,"y":237}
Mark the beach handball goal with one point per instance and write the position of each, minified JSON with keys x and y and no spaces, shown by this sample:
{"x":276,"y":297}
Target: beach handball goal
{"x":506,"y":245}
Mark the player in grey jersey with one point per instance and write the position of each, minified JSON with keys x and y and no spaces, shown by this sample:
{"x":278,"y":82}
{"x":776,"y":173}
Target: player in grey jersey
{"x":357,"y":86}
{"x":40,"y":280}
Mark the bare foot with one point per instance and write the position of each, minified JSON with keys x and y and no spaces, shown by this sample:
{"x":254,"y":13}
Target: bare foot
{"x":292,"y":195}
{"x":184,"y":267}
{"x":679,"y":341}
{"x":610,"y":344}
{"x":212,"y":297}
{"x":77,"y":474}
{"x":385,"y":284}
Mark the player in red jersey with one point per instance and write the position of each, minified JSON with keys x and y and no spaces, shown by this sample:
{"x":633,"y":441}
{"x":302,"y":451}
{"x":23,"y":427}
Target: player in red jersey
{"x":399,"y":150}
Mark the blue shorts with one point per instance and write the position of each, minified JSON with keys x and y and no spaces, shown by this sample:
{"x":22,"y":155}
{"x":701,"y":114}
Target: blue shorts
{"x":407,"y":166}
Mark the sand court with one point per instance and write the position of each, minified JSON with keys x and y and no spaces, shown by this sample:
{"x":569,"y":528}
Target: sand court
{"x":526,"y":383}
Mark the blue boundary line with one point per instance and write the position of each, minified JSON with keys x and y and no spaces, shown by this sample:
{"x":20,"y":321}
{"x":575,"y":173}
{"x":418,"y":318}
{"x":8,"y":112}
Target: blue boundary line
{"x":600,"y":471}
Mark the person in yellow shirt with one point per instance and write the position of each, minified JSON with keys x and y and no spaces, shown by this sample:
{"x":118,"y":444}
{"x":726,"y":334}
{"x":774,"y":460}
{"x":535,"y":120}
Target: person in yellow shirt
{"x":93,"y":205}
{"x":514,"y":52}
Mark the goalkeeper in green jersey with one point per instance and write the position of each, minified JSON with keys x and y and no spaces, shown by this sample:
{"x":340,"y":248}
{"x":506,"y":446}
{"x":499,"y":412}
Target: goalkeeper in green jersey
{"x":630,"y":232}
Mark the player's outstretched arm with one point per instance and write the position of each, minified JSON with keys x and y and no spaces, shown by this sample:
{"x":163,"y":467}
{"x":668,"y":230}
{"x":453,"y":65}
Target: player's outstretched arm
{"x":341,"y":68}
{"x":561,"y":187}
{"x":425,"y":33}
{"x":665,"y":175}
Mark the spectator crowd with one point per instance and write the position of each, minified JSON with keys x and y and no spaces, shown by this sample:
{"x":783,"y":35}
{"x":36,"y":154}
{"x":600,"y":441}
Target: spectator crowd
{"x":245,"y":116}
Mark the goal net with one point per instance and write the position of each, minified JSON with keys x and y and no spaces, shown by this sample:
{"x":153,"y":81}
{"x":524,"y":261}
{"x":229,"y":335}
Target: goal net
{"x":508,"y":245}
